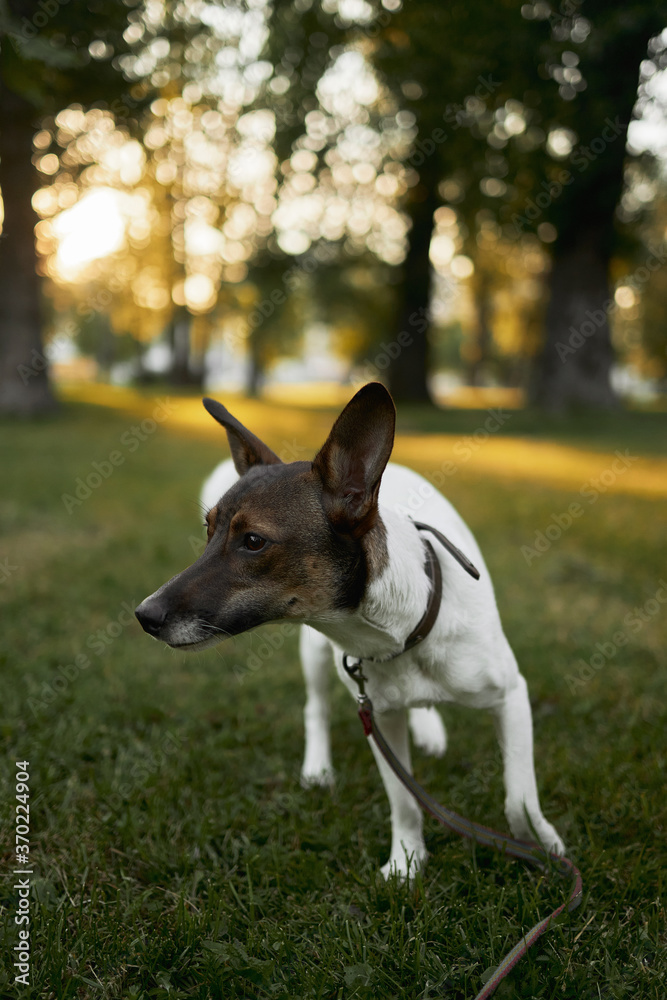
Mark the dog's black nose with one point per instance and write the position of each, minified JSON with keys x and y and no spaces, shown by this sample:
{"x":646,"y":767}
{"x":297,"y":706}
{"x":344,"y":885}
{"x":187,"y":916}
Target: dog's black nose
{"x":151,"y":615}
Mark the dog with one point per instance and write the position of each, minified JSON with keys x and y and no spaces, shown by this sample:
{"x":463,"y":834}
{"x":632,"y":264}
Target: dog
{"x":329,"y":544}
{"x":426,"y":725}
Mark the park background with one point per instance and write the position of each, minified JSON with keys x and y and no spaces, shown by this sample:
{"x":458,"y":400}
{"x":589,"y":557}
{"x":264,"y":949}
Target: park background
{"x":274,"y":203}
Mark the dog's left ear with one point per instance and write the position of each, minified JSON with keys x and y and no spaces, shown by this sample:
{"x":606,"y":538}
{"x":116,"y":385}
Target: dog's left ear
{"x":247,"y":450}
{"x":353,"y":458}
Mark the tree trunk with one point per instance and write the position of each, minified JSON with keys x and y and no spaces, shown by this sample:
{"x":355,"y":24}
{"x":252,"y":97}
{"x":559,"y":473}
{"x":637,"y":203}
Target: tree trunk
{"x":182,"y":371}
{"x":255,"y":373}
{"x":273,"y":278}
{"x":481,"y":347}
{"x":106,"y":344}
{"x":574,"y":369}
{"x":410,"y":364}
{"x":24,"y":379}
{"x":575,"y":366}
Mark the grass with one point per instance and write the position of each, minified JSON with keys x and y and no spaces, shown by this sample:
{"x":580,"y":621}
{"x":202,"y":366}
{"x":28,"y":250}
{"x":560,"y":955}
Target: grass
{"x":175,"y":854}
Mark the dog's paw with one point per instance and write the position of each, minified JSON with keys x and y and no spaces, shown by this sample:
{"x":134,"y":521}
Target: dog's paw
{"x":550,"y":840}
{"x":535,"y":828}
{"x":405,"y":862}
{"x":428,"y":731}
{"x":321,"y":777}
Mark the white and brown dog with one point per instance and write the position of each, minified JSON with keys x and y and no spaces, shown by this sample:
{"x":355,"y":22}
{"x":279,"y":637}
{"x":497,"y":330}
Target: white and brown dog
{"x":327,"y":544}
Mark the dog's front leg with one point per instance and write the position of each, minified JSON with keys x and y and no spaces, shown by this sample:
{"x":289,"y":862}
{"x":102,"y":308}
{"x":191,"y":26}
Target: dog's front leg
{"x":522,"y":807}
{"x":315,"y":653}
{"x":408,"y":851}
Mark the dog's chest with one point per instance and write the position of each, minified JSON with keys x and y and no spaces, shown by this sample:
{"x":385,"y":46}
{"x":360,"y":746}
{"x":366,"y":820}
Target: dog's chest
{"x":466,"y":676}
{"x":400,"y":683}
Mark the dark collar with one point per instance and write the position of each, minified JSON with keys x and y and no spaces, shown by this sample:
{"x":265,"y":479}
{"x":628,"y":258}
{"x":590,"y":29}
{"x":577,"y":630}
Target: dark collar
{"x":427,"y":621}
{"x":451,"y":548}
{"x":434,"y":573}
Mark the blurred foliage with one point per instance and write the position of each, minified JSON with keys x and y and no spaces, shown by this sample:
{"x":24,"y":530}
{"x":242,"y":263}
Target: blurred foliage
{"x":641,"y":325}
{"x":279,"y":165}
{"x":54,"y":54}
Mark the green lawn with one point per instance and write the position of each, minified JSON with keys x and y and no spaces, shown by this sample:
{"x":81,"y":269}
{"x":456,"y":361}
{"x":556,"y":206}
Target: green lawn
{"x":174,"y":852}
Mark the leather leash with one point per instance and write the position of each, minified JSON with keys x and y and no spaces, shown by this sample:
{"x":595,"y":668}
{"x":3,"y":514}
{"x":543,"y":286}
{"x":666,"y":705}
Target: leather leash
{"x":533,"y":853}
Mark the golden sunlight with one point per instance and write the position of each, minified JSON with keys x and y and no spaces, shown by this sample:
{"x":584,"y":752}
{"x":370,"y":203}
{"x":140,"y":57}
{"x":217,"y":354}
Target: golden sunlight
{"x":93,"y":228}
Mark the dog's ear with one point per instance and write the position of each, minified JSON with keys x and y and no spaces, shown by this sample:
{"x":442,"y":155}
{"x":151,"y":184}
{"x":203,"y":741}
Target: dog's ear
{"x":247,"y":450}
{"x":351,"y":462}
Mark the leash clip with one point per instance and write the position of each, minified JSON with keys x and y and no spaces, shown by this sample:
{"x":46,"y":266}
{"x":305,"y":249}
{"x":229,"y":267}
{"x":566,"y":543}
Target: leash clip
{"x":353,"y":670}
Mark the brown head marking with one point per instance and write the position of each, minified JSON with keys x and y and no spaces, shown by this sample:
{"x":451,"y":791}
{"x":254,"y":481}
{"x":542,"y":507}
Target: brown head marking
{"x":292,"y":540}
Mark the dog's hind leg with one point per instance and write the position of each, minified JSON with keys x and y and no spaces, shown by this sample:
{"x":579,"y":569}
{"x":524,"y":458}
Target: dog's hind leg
{"x":408,"y":851}
{"x":428,"y":730}
{"x":316,"y":662}
{"x":514,"y":725}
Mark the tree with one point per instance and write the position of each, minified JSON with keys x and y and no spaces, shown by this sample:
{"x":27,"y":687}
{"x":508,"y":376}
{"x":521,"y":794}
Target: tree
{"x":50,"y":56}
{"x":24,"y":383}
{"x":593,"y":56}
{"x":448,"y":74}
{"x":550,"y":74}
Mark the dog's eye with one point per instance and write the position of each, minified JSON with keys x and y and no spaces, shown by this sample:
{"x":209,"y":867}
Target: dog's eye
{"x":254,"y":542}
